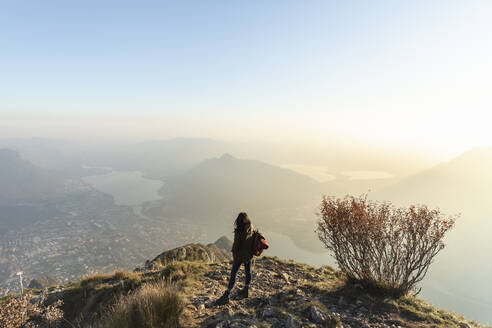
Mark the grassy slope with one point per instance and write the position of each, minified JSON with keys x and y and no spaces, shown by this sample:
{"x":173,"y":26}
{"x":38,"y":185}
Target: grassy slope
{"x":291,"y":294}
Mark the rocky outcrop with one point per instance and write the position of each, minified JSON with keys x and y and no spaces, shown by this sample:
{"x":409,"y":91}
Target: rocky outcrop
{"x":214,"y":252}
{"x":43,"y":282}
{"x":223,"y":243}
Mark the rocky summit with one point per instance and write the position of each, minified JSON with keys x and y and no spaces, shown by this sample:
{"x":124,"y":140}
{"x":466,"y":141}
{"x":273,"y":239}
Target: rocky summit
{"x":282,"y":294}
{"x":289,"y":294}
{"x":219,"y":251}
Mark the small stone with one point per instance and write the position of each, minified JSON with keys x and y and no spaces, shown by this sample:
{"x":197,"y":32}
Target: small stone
{"x":274,"y":301}
{"x":222,"y":324}
{"x":228,"y":313}
{"x":268,"y":312}
{"x":317,"y":315}
{"x":274,"y":322}
{"x":291,"y":322}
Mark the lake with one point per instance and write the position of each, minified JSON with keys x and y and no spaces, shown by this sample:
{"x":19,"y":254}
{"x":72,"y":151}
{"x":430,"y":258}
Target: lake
{"x":130,"y":188}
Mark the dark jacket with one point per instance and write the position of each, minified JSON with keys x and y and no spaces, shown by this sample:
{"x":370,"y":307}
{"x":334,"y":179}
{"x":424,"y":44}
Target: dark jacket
{"x":242,"y":248}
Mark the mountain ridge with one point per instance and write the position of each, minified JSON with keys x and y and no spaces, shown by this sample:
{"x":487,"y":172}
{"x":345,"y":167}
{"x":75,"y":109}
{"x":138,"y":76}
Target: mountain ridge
{"x":461,"y":185}
{"x":215,"y":184}
{"x":282,"y":294}
{"x":22,"y":180}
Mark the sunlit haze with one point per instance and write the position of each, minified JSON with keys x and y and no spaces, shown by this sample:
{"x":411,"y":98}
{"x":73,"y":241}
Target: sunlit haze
{"x":404,"y":74}
{"x":129,"y":129}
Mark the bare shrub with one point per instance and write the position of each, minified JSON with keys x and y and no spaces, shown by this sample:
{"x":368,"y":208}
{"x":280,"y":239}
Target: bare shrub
{"x":18,"y":311}
{"x":155,"y":304}
{"x":379,"y":245}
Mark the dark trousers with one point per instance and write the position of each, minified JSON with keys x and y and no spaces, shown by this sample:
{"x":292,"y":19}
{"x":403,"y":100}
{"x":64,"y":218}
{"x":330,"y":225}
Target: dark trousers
{"x":235,"y":268}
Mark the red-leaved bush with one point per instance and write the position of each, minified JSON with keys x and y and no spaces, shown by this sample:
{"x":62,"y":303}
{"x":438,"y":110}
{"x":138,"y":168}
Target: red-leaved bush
{"x":379,"y":245}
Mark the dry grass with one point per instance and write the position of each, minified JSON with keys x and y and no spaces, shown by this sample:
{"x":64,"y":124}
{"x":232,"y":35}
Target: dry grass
{"x":96,"y":278}
{"x":154,"y":304}
{"x":18,"y":311}
{"x":87,"y":300}
{"x":108,"y":277}
{"x":84,"y":300}
{"x":418,"y":310}
{"x":177,"y":270}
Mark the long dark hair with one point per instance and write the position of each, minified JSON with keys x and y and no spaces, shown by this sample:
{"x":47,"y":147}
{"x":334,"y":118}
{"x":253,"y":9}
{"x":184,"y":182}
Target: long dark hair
{"x":242,"y":222}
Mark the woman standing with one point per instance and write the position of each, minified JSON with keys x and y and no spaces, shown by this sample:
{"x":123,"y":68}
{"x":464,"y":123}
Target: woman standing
{"x":242,"y":253}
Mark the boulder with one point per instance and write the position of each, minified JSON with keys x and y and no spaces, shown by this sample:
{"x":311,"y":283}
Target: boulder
{"x":43,"y":282}
{"x":224,"y":243}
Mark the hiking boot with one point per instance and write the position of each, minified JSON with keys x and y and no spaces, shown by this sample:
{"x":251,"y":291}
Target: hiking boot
{"x":244,"y":292}
{"x":224,"y":299}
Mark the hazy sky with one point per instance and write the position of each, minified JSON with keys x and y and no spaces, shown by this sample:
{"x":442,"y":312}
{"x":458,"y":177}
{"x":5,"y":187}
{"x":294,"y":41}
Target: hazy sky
{"x":396,"y":73}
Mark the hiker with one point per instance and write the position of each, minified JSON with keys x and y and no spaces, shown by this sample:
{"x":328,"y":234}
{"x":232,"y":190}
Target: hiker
{"x":242,"y":253}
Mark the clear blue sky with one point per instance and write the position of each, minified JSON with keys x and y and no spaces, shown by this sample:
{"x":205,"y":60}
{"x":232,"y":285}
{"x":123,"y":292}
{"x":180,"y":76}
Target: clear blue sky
{"x":348,"y":61}
{"x":196,"y":54}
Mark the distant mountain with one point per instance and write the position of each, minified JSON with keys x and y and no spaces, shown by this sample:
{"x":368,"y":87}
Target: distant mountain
{"x":164,"y":158}
{"x":24,"y":188}
{"x":160,"y":158}
{"x":462,"y":185}
{"x":157,"y":158}
{"x":65,"y":157}
{"x":228,"y":184}
{"x":30,"y":194}
{"x":21,"y":180}
{"x":465,"y":180}
{"x":44,"y":153}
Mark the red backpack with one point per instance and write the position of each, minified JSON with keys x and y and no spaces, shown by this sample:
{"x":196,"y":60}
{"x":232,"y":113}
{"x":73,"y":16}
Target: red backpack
{"x":259,"y":243}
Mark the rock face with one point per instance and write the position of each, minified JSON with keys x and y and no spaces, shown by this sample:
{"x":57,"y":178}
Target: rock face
{"x":214,"y":252}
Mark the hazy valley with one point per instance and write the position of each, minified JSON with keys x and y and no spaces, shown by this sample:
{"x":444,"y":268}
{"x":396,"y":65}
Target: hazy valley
{"x":118,"y":216}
